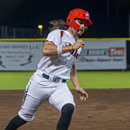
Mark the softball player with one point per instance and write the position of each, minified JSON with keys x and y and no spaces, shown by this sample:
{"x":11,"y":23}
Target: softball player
{"x":61,"y":49}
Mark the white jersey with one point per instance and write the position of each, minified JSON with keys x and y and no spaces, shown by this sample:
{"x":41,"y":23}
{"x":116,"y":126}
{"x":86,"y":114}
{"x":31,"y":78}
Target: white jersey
{"x":40,"y":89}
{"x":59,"y":65}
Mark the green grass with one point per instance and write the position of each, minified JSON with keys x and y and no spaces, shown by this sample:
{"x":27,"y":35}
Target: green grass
{"x":14,"y":80}
{"x":87,"y":80}
{"x":103,"y":79}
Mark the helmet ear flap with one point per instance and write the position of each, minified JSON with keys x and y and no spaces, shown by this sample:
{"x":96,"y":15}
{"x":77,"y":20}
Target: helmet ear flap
{"x":74,"y":25}
{"x":69,"y":20}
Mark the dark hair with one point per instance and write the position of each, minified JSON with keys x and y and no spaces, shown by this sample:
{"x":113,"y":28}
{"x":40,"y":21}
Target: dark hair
{"x":57,"y":24}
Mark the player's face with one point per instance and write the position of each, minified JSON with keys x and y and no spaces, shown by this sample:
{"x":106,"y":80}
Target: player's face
{"x":83,"y":26}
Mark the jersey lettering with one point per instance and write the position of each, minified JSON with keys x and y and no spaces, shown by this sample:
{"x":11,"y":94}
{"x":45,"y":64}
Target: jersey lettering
{"x":74,"y":52}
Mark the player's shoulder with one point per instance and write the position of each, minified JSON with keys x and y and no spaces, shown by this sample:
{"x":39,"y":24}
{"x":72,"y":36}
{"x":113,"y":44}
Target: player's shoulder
{"x":54,"y":36}
{"x":57,"y":33}
{"x":68,"y":35}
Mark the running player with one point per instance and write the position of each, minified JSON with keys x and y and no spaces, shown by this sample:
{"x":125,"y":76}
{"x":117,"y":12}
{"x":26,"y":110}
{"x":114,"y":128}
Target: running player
{"x":61,"y":49}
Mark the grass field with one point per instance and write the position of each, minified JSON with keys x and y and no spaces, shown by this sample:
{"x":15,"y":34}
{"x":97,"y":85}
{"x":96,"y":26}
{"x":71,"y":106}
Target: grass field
{"x":87,"y":80}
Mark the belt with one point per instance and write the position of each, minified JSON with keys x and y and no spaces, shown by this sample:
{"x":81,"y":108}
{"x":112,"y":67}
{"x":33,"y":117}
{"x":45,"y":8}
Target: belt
{"x":55,"y":79}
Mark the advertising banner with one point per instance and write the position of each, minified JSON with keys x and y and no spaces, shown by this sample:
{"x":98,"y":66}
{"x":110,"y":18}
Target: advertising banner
{"x":20,"y":56}
{"x":102,"y":55}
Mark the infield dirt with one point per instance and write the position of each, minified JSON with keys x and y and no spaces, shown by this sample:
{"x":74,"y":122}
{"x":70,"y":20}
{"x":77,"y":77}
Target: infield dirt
{"x":106,"y":109}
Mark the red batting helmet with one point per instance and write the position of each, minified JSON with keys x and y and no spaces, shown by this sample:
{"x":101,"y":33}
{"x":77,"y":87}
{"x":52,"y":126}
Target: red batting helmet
{"x":80,"y":14}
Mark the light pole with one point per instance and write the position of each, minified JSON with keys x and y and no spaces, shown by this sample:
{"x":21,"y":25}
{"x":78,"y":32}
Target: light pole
{"x":40,"y":27}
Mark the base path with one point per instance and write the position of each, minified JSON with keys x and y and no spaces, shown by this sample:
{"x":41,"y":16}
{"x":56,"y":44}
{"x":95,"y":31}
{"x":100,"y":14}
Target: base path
{"x":106,"y":109}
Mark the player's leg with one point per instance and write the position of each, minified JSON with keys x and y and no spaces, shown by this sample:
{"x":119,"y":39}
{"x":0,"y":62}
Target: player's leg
{"x":33,"y":98}
{"x":65,"y":118}
{"x":15,"y":123}
{"x":63,"y":100}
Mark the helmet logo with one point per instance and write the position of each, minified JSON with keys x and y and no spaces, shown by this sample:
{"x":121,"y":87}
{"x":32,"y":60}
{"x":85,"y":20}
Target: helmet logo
{"x":87,"y":15}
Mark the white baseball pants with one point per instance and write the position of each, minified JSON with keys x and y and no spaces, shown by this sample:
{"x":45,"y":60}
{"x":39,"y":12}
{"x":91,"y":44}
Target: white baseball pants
{"x":40,"y":89}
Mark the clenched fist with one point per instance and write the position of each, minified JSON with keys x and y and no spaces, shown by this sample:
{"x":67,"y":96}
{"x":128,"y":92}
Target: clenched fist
{"x":78,"y":44}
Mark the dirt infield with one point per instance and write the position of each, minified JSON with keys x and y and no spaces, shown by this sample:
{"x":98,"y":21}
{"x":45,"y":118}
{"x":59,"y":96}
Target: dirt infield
{"x":104,"y":110}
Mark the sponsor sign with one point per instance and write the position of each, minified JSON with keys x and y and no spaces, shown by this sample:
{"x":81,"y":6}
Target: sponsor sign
{"x":96,"y":55}
{"x":102,"y":55}
{"x":21,"y":56}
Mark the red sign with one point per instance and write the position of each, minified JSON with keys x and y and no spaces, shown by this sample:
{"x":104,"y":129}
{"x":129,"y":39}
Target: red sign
{"x":116,"y":51}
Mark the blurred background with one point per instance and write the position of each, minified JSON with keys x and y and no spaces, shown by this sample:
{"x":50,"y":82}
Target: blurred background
{"x":30,"y":19}
{"x":20,"y":18}
{"x":104,"y":62}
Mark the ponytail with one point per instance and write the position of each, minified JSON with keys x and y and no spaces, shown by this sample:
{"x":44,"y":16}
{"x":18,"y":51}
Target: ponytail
{"x":57,"y":24}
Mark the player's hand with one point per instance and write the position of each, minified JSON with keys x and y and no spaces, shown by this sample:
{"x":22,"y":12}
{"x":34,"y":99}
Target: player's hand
{"x":83,"y":95}
{"x":78,"y":44}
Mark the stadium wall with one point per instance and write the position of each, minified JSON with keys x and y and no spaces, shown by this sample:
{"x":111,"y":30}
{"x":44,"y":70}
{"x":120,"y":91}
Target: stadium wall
{"x":37,"y":43}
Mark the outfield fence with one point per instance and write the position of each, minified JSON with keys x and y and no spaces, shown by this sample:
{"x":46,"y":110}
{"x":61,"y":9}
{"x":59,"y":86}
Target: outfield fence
{"x":97,"y":54}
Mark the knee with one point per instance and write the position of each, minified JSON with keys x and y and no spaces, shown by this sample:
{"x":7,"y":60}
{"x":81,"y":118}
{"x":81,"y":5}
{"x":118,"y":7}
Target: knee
{"x":68,"y":108}
{"x":26,"y":115}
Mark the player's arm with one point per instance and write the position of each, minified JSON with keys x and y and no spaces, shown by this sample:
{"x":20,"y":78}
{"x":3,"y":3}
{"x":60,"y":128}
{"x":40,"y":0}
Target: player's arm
{"x":51,"y":49}
{"x":73,"y":77}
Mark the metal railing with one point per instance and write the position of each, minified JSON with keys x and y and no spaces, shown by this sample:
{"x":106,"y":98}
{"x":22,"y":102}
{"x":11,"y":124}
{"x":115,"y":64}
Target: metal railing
{"x":12,"y":32}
